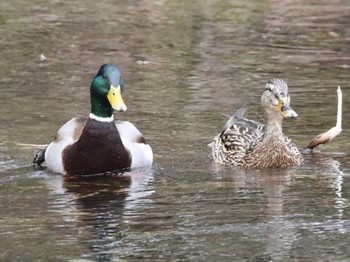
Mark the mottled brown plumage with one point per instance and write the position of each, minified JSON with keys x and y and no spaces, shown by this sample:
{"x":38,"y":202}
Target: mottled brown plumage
{"x":249,"y":144}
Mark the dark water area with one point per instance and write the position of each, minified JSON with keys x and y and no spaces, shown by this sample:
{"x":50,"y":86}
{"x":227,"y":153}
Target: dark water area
{"x":185,"y":63}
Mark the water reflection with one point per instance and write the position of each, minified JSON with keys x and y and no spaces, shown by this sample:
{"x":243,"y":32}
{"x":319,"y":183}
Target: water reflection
{"x":280,"y":232}
{"x":273,"y":223}
{"x":284,"y":228}
{"x":98,"y":204}
{"x":328,"y":167}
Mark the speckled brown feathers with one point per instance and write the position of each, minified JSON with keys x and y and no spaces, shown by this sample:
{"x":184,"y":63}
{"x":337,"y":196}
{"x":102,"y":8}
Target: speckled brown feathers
{"x":272,"y":152}
{"x":249,"y":144}
{"x":244,"y":144}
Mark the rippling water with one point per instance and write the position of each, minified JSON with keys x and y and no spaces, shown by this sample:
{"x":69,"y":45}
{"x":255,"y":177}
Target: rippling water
{"x":185,"y":63}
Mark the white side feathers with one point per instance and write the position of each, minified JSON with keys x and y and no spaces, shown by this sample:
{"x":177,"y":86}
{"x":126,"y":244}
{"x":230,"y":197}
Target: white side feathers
{"x":133,"y":140}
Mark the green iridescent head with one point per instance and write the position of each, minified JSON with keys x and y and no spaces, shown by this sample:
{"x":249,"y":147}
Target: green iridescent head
{"x":106,"y":89}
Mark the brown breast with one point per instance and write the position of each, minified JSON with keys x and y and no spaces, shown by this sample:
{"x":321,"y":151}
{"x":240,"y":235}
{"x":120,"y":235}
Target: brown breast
{"x":98,"y":150}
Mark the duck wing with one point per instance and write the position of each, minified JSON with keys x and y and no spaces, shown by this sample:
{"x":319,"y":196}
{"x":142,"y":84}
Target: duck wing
{"x":133,"y":140}
{"x":241,"y":134}
{"x":66,"y":135}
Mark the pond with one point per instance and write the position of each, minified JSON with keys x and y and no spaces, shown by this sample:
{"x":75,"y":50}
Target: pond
{"x":185,"y":64}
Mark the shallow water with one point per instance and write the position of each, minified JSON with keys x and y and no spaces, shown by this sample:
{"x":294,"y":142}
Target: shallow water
{"x":185,"y":63}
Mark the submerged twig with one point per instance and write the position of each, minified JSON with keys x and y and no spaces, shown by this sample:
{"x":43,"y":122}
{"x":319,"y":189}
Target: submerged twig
{"x":31,"y":145}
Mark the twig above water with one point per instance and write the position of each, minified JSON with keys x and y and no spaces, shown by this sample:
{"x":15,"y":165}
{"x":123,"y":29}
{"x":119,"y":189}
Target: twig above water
{"x":329,"y":135}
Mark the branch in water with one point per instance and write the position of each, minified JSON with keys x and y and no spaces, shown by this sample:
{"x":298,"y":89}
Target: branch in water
{"x":329,"y":135}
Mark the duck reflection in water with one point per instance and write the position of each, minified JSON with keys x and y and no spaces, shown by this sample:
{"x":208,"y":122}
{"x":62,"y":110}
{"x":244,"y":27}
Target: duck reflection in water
{"x":100,"y":203}
{"x":281,"y":222}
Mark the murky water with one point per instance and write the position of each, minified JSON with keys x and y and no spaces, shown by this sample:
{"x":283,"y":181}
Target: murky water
{"x":184,"y":63}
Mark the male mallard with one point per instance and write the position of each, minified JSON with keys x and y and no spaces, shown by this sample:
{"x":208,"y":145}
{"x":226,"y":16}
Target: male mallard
{"x":98,"y":144}
{"x":249,"y":144}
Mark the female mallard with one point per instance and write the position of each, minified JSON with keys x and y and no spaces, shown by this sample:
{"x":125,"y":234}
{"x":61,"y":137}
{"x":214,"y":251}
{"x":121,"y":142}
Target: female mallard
{"x":98,"y":144}
{"x":249,"y":144}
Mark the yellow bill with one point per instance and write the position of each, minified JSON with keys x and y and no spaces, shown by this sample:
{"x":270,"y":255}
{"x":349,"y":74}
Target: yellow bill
{"x":114,"y":97}
{"x":287,"y":111}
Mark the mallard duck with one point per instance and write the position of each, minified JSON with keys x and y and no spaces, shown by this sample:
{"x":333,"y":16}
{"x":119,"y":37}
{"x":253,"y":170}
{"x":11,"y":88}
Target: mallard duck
{"x":249,"y":144}
{"x":98,"y":143}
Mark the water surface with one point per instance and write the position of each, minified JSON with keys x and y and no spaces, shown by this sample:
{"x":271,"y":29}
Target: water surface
{"x":185,"y":63}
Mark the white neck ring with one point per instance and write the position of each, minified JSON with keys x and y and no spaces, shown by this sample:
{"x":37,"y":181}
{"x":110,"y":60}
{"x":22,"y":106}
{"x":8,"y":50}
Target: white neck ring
{"x":101,"y":119}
